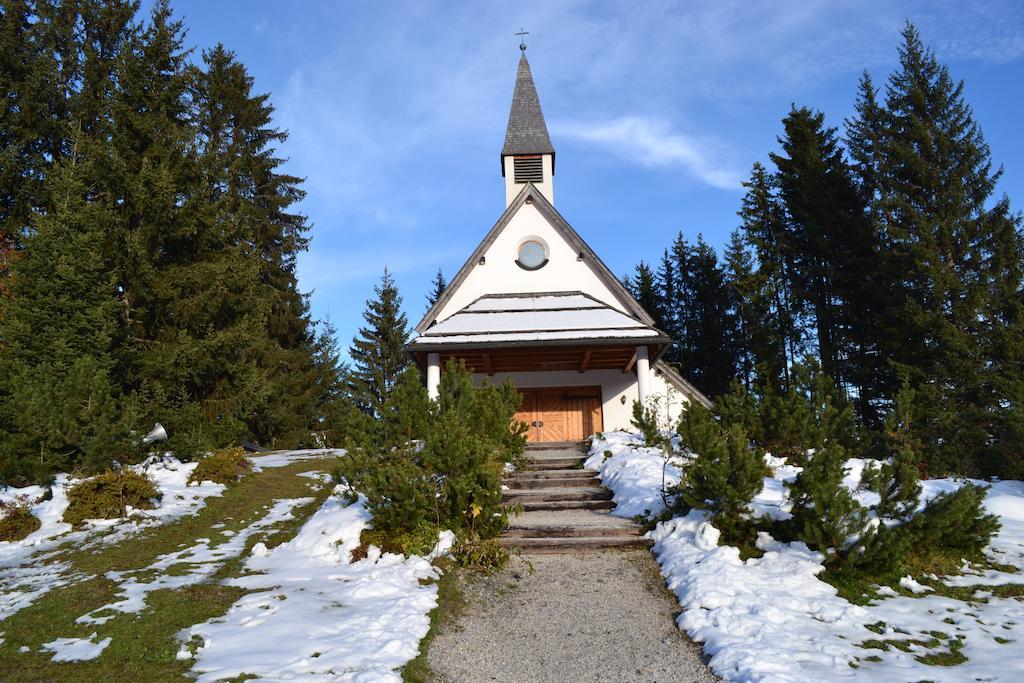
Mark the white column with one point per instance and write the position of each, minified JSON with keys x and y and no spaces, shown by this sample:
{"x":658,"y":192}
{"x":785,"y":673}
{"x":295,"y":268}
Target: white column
{"x":433,"y":375}
{"x":643,"y":374}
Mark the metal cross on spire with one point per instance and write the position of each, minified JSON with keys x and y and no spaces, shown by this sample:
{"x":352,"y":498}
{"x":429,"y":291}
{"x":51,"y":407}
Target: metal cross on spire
{"x":522,"y":39}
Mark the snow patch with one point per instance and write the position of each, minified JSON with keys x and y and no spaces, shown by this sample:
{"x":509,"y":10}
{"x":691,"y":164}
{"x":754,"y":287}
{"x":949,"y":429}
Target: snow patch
{"x":314,"y":614}
{"x":76,"y":649}
{"x":285,"y":458}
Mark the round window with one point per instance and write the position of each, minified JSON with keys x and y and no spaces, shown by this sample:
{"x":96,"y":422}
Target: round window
{"x":532,"y":255}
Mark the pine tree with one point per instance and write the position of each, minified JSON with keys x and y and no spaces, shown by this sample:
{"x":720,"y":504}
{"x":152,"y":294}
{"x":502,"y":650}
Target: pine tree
{"x":437,"y":288}
{"x":724,"y":476}
{"x":826,"y":516}
{"x":60,"y":407}
{"x":378,"y":351}
{"x":895,"y":480}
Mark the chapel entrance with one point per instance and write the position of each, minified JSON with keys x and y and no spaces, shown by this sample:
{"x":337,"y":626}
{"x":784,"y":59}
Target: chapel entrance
{"x":566,"y":414}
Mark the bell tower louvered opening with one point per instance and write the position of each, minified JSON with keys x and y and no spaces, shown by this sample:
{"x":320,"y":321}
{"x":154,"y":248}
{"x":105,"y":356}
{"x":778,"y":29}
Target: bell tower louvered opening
{"x":528,"y":169}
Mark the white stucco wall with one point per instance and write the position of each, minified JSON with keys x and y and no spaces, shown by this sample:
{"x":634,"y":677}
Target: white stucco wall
{"x":500,"y":275}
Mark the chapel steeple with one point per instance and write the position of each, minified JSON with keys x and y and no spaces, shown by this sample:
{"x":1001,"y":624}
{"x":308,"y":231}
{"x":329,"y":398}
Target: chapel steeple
{"x":528,"y":155}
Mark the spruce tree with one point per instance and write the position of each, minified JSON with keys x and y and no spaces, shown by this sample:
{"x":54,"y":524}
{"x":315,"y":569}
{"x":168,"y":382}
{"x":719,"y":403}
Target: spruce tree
{"x":667,"y":279}
{"x":437,"y":287}
{"x":644,"y":288}
{"x":935,"y":184}
{"x":261,"y":337}
{"x":749,"y":309}
{"x":378,"y":351}
{"x":764,"y":229}
{"x":708,"y":360}
{"x":827,"y":237}
{"x":60,"y":407}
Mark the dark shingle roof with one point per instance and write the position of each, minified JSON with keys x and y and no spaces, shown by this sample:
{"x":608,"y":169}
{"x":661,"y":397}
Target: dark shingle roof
{"x":527,"y":133}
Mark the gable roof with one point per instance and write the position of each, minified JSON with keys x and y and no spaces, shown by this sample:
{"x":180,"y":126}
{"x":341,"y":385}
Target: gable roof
{"x":537,"y":317}
{"x":562,"y":227}
{"x":526,"y":133}
{"x":679,"y":382}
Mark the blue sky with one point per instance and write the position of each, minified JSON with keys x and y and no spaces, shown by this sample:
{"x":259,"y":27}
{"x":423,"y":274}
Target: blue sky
{"x":657,"y":110}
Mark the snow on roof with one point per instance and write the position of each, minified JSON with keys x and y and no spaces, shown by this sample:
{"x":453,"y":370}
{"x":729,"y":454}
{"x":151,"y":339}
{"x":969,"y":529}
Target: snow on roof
{"x":551,"y":316}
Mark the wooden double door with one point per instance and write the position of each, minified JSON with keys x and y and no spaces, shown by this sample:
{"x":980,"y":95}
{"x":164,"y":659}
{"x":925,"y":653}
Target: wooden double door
{"x":569,"y":414}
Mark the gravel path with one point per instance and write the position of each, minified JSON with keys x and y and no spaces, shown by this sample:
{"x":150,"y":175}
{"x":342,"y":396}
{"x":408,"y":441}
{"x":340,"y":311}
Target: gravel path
{"x":603,"y":616}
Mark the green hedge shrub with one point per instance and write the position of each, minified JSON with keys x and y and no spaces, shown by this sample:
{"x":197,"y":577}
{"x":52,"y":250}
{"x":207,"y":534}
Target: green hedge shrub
{"x":225,"y":466}
{"x":109,"y":495}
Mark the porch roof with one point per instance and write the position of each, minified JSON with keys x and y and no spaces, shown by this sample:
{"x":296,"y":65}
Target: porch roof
{"x":536,"y":319}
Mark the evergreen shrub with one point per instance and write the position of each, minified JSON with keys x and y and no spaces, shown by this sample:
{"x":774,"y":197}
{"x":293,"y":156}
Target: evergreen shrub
{"x":427,"y":466}
{"x":17,"y":521}
{"x":109,"y":495}
{"x":955,"y":523}
{"x":725,"y":474}
{"x":225,"y":466}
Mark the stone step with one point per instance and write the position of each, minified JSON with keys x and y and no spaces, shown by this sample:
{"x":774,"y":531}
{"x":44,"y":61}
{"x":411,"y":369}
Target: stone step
{"x":551,"y":482}
{"x":551,"y":474}
{"x":533,"y":447}
{"x":533,"y":505}
{"x":570,"y":532}
{"x":553,"y":494}
{"x":555,"y":464}
{"x":573,"y":545}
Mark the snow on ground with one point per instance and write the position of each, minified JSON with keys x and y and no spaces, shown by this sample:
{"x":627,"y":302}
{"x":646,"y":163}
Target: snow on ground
{"x":285,"y":458}
{"x":30,"y":568}
{"x":199,"y":562}
{"x":315,"y":615}
{"x":76,"y":649}
{"x":772,"y":619}
{"x":632,"y":472}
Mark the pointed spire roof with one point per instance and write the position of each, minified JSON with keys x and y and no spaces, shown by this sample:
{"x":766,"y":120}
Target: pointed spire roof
{"x":527,"y":133}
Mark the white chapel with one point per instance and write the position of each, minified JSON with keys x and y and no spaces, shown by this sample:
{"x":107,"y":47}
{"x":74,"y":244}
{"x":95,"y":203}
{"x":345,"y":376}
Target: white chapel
{"x":533,"y":302}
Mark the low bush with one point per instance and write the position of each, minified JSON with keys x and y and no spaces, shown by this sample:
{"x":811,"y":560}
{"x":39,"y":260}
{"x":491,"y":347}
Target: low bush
{"x":109,"y":495}
{"x":486,"y":556}
{"x":17,"y":521}
{"x":955,"y":523}
{"x":225,"y":466}
{"x":442,"y":467}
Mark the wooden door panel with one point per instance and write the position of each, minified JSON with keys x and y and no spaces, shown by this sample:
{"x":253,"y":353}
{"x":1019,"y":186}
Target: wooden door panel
{"x":596,"y":417}
{"x":526,"y":413}
{"x":550,"y":411}
{"x":570,"y":414}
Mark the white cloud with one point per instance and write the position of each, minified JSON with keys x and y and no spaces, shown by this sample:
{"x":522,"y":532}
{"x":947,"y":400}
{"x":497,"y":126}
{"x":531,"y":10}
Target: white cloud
{"x":654,"y":143}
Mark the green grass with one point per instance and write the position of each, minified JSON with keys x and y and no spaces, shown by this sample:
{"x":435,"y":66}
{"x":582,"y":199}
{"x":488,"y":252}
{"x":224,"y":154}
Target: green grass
{"x":144,"y":645}
{"x":450,"y":606}
{"x":860,"y":588}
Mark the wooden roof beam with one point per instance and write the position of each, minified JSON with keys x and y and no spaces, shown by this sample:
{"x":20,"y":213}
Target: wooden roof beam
{"x":586,"y":360}
{"x":630,"y":364}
